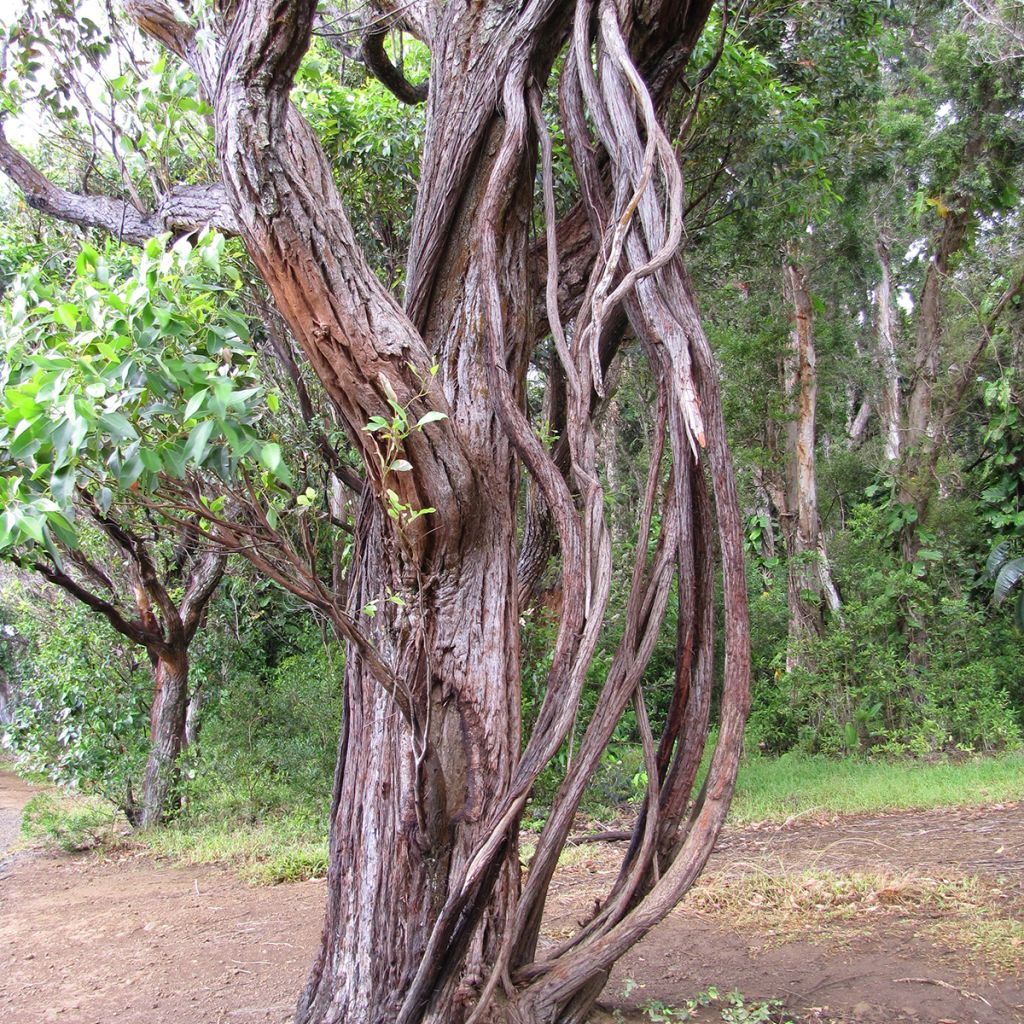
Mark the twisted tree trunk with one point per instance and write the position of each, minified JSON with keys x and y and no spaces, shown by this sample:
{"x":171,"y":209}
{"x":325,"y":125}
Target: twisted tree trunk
{"x":428,"y":919}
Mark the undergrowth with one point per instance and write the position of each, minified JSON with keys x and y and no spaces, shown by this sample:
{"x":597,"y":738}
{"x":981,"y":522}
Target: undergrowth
{"x":70,"y":823}
{"x":286,"y":848}
{"x":291,"y":846}
{"x":779,"y":788}
{"x":708,"y":1005}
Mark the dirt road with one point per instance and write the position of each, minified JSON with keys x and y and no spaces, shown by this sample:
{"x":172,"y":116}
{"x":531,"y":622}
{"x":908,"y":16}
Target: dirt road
{"x":14,"y":794}
{"x":129,"y":939}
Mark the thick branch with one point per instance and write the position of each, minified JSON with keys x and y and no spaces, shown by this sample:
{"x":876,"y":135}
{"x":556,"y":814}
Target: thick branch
{"x":129,"y":628}
{"x":205,"y":576}
{"x":379,"y":65}
{"x":184,"y":208}
{"x":134,"y":548}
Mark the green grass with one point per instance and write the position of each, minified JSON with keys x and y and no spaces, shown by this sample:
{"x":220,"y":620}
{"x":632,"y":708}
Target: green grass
{"x":775,"y":789}
{"x":293,"y":846}
{"x":72,"y":823}
{"x":279,"y":849}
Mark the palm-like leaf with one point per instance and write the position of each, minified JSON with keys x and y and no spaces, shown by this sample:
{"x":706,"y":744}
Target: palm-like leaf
{"x":996,"y":559}
{"x":1010,"y":575}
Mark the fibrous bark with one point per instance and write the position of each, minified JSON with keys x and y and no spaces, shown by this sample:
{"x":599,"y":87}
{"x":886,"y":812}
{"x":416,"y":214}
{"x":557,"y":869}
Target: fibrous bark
{"x":428,"y":918}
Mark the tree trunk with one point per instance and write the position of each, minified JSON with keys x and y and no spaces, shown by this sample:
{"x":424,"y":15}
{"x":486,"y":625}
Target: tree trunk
{"x":890,"y":404}
{"x":6,"y":699}
{"x":810,"y":585}
{"x":195,"y":706}
{"x":167,"y":734}
{"x":425,"y":921}
{"x":401,"y":829}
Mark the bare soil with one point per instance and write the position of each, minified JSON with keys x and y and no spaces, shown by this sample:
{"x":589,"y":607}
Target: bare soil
{"x":126,"y":938}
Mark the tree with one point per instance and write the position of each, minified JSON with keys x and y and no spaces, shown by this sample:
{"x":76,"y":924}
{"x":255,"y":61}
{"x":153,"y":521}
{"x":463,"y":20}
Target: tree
{"x":810,"y":580}
{"x":954,"y":142}
{"x":81,"y":389}
{"x":428,"y":917}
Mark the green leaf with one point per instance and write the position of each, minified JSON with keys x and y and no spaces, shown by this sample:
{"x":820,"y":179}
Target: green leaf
{"x":198,"y":439}
{"x":401,"y":466}
{"x":430,"y":417}
{"x":53,"y":551}
{"x":270,"y":456}
{"x":67,"y":314}
{"x":996,"y":558}
{"x":1009,"y":576}
{"x":130,"y":471}
{"x":195,"y":403}
{"x":31,"y":526}
{"x":117,"y":426}
{"x":237,"y":323}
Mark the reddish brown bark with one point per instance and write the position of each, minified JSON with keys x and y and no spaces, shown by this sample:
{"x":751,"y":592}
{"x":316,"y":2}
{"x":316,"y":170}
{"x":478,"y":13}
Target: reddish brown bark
{"x":167,"y":736}
{"x":427,"y":919}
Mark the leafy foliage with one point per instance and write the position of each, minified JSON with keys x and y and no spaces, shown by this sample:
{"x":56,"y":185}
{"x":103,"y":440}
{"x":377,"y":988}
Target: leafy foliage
{"x":127,"y":373}
{"x":82,"y":711}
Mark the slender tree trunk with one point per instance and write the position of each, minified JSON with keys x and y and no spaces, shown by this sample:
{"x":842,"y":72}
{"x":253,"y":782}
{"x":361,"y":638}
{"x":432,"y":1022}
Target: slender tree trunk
{"x":195,"y":706}
{"x":6,"y":714}
{"x":167,"y":734}
{"x":890,"y":403}
{"x":810,"y":585}
{"x":858,"y":423}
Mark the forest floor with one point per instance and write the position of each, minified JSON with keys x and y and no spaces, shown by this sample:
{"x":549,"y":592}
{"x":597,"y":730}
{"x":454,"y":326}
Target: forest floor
{"x":910,"y":916}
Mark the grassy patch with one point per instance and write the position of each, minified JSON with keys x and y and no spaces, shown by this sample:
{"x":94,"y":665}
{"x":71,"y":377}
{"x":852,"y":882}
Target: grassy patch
{"x":795,"y":899}
{"x":71,"y":823}
{"x":836,"y":906}
{"x":281,"y":849}
{"x":776,"y":789}
{"x":997,"y":942}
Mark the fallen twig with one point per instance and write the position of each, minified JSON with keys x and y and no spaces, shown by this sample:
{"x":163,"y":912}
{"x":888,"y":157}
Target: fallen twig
{"x":943,"y":984}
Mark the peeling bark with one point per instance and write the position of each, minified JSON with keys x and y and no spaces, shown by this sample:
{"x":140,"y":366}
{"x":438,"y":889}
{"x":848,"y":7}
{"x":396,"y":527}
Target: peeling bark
{"x":427,"y":917}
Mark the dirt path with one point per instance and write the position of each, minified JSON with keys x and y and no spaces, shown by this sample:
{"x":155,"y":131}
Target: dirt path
{"x":932,"y":955}
{"x":14,"y":794}
{"x":128,"y":940}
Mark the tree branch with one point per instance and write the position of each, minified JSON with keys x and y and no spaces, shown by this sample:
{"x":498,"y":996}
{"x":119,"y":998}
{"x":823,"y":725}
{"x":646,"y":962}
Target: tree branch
{"x":185,"y":208}
{"x":129,"y":628}
{"x":379,"y":65}
{"x":205,"y":576}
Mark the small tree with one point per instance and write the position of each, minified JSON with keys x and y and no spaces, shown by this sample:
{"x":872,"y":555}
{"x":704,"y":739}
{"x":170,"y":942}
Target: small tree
{"x":103,"y":390}
{"x":428,"y":916}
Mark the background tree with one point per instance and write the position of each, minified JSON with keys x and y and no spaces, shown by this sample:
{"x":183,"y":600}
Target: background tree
{"x":84,"y":399}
